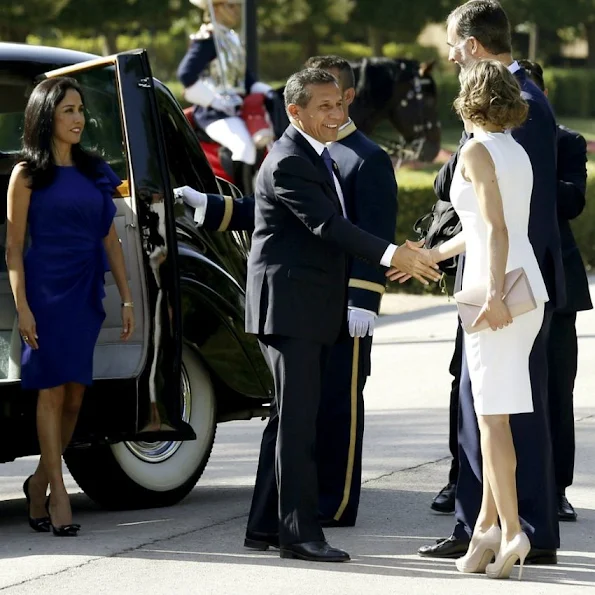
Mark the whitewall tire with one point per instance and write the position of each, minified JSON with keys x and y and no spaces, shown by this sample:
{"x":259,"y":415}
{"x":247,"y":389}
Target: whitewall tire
{"x":145,"y":475}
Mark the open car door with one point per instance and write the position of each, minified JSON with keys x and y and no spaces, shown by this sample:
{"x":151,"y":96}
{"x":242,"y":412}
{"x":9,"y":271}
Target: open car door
{"x":136,"y":392}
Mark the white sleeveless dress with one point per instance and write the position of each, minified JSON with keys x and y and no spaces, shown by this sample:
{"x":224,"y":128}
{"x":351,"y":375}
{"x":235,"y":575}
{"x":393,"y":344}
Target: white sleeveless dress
{"x":498,"y":361}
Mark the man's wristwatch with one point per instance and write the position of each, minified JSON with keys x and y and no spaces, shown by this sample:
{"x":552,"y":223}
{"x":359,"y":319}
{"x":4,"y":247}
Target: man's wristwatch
{"x":127,"y":304}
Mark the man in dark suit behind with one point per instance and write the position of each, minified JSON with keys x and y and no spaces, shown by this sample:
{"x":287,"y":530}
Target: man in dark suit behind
{"x":477,"y":30}
{"x":562,"y":343}
{"x":296,"y":303}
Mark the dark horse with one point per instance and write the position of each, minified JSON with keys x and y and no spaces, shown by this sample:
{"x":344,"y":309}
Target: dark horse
{"x":401,"y":92}
{"x":404,"y":93}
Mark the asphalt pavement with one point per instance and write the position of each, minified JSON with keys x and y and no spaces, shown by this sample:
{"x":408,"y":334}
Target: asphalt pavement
{"x":195,"y":547}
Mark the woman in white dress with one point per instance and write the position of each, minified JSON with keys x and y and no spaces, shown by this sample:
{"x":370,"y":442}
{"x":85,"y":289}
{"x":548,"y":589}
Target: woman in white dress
{"x":491,"y":193}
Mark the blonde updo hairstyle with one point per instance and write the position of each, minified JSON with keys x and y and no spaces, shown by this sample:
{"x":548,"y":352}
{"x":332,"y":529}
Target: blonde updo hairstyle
{"x":490,"y":94}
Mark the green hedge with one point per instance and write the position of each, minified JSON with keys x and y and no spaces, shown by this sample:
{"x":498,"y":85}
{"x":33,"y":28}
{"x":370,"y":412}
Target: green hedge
{"x":571,"y":91}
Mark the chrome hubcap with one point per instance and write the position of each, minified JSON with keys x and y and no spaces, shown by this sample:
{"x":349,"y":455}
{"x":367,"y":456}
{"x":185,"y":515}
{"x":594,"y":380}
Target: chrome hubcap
{"x":157,"y":452}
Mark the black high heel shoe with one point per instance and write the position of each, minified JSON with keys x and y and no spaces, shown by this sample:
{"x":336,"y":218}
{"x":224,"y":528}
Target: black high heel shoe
{"x":41,"y":525}
{"x":63,"y":530}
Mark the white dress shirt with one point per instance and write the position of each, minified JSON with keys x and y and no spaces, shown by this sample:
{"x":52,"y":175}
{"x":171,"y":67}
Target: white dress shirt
{"x":514,"y":67}
{"x":319,"y":148}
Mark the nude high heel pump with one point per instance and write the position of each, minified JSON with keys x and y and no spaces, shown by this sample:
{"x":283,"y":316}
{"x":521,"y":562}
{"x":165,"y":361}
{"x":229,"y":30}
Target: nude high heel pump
{"x":516,"y":549}
{"x":482,"y":548}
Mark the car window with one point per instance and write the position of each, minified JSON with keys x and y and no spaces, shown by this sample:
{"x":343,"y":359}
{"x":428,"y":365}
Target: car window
{"x":11,"y":129}
{"x":103,"y":129}
{"x":14,"y":93}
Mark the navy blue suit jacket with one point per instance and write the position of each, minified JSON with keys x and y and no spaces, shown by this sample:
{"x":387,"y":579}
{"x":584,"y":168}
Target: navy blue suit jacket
{"x":297,"y":268}
{"x":538,"y":136}
{"x":370,"y":194}
{"x":572,"y":186}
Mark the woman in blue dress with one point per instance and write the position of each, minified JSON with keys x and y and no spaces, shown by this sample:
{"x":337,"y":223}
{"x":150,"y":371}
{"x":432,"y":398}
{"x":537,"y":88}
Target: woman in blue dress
{"x":63,"y":194}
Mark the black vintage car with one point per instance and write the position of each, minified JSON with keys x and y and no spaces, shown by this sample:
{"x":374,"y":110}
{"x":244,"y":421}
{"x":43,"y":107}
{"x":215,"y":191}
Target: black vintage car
{"x":148,"y":423}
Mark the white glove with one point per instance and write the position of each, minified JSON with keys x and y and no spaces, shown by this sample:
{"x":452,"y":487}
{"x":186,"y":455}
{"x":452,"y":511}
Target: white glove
{"x":199,"y":94}
{"x":361,"y":322}
{"x":195,"y":199}
{"x":260,"y":87}
{"x":225,"y":104}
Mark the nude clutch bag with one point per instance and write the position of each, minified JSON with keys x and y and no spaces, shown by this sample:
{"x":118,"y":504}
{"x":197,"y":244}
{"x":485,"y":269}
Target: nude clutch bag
{"x":518,"y":296}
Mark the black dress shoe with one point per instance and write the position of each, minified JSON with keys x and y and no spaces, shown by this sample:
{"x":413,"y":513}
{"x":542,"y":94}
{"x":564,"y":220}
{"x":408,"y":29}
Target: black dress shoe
{"x":314,"y":551}
{"x":445,"y":499}
{"x":451,"y":547}
{"x":541,"y":556}
{"x":566,"y":511}
{"x":261,"y":541}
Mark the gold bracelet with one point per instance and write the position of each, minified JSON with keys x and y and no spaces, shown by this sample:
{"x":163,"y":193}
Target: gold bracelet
{"x":127,"y":304}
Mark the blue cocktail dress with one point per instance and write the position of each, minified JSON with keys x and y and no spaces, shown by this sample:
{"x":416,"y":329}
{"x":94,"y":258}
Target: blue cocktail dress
{"x":65,"y":266}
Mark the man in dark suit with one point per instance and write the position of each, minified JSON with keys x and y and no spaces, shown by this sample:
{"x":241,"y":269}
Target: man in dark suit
{"x":370,"y":195}
{"x":562,"y":344}
{"x":296,"y":303}
{"x":479,"y":30}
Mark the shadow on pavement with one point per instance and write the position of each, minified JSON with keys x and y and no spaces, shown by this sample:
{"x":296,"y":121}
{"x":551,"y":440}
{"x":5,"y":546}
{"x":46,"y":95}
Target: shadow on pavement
{"x":387,"y":319}
{"x":392,"y":525}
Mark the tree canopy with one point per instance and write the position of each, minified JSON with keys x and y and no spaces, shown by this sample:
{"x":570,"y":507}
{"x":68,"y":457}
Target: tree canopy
{"x":19,"y":19}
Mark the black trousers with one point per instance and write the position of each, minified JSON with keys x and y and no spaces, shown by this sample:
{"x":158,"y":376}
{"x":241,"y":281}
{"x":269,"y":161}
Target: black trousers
{"x":341,"y":430}
{"x":285,"y":499}
{"x":535,"y":470}
{"x":562,"y":364}
{"x":453,"y":426}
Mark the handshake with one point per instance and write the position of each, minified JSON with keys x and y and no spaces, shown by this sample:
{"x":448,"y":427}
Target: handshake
{"x":412,"y":260}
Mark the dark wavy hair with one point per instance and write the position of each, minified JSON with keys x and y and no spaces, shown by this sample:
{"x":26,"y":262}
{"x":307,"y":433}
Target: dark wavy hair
{"x":38,"y":132}
{"x":490,"y":94}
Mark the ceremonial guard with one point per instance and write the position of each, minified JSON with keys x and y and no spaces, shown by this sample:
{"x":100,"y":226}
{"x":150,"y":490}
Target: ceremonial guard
{"x":216,"y":80}
{"x":370,"y":193}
